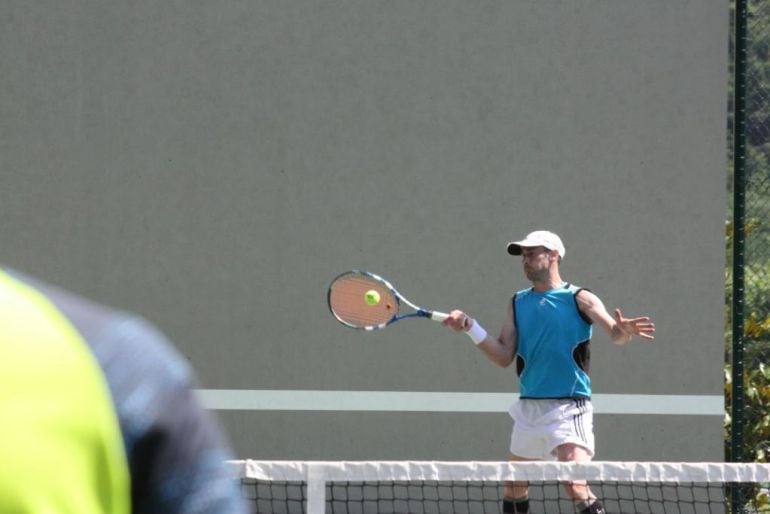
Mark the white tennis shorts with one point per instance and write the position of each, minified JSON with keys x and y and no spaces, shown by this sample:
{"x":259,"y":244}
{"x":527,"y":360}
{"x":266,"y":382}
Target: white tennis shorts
{"x":540,"y":426}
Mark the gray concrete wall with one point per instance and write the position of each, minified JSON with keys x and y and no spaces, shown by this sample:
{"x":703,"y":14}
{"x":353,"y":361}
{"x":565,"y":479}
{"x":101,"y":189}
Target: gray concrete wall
{"x":213,"y":165}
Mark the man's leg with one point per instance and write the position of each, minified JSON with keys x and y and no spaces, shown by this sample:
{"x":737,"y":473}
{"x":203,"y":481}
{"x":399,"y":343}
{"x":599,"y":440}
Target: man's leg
{"x":578,"y":490}
{"x":516,"y":498}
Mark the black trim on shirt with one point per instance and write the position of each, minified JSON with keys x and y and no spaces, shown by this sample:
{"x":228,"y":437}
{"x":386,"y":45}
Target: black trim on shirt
{"x":577,"y":306}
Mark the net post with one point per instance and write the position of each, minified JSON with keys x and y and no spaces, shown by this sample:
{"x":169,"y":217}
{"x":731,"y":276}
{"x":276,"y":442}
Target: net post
{"x":739,"y":198}
{"x":739,"y":233}
{"x":316,"y":489}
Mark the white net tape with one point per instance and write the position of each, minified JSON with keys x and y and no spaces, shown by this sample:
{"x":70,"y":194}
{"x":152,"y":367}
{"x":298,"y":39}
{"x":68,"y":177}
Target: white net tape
{"x":640,"y":478}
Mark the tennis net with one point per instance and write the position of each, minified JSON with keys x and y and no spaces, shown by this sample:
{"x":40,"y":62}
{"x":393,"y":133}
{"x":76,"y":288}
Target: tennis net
{"x":425,"y":487}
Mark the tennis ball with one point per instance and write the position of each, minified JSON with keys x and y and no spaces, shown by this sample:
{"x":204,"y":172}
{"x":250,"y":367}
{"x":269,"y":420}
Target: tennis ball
{"x":372,"y":297}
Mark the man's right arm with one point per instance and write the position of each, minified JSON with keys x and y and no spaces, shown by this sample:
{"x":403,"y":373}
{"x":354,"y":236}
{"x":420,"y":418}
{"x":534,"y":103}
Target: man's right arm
{"x":500,"y":350}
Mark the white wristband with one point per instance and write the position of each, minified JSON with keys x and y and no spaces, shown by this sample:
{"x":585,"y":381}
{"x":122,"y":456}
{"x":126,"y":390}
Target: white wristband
{"x":477,"y":333}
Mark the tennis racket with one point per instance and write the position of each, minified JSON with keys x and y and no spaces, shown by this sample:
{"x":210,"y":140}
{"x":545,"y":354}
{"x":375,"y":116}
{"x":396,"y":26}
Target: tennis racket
{"x":363,"y":300}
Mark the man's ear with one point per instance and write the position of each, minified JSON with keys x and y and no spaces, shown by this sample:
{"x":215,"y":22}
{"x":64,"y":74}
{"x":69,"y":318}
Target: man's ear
{"x":553,"y":255}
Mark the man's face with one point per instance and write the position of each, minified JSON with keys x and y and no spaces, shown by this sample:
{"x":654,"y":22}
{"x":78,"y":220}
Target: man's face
{"x":536,"y":262}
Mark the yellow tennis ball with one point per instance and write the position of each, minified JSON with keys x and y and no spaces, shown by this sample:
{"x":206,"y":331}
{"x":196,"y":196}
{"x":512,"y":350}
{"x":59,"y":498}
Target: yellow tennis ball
{"x":372,"y":297}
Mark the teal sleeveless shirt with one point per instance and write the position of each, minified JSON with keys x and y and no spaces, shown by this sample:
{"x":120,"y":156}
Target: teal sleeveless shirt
{"x":552,"y":355}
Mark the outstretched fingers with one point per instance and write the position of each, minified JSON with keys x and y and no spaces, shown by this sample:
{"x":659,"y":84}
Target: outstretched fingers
{"x":642,"y":326}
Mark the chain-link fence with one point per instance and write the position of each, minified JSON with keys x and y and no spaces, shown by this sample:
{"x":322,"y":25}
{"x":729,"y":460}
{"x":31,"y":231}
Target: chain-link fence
{"x":748,"y":235}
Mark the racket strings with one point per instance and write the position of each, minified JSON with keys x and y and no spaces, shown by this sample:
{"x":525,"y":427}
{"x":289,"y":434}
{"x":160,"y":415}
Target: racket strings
{"x":347,"y":299}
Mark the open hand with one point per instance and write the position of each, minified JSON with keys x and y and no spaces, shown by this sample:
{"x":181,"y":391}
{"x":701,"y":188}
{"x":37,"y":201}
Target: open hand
{"x":642,"y":327}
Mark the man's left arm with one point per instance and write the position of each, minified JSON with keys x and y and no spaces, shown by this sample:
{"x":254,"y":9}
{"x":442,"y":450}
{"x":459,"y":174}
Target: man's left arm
{"x":620,"y":329}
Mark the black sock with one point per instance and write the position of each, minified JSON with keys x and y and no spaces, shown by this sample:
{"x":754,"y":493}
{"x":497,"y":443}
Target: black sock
{"x":516,"y":506}
{"x":595,"y":508}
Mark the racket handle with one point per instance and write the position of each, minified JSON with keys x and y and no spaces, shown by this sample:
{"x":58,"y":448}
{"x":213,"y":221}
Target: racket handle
{"x":438,"y":316}
{"x":441,"y":316}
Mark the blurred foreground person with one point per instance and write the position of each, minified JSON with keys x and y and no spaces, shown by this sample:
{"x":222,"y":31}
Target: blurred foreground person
{"x":98,"y":413}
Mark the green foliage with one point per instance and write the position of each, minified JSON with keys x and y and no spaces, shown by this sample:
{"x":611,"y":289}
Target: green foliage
{"x":756,"y":272}
{"x":757,"y":424}
{"x":757,"y":415}
{"x":756,"y":374}
{"x":756,"y":332}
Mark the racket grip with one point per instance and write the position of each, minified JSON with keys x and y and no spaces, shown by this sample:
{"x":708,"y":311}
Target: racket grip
{"x":438,"y":316}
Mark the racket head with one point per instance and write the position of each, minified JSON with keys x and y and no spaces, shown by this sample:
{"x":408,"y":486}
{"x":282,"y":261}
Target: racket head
{"x":347,"y":303}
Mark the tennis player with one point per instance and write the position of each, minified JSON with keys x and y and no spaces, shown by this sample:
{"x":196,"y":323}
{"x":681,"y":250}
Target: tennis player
{"x":99,"y":414}
{"x":547,"y":334}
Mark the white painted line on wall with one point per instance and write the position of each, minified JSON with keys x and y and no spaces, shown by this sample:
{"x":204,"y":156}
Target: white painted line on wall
{"x":407,"y":401}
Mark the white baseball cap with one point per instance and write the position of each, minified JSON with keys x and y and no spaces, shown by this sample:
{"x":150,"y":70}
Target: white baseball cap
{"x":537,"y":238}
